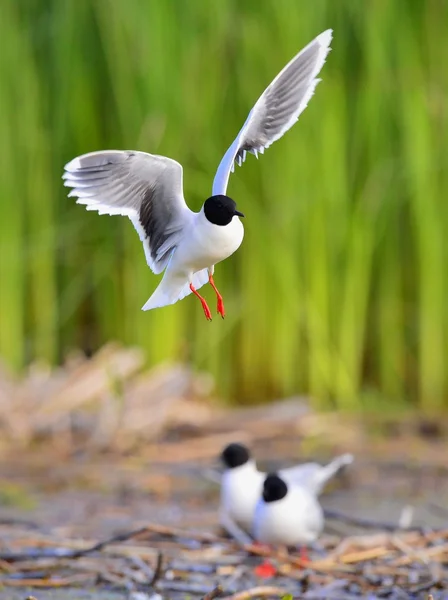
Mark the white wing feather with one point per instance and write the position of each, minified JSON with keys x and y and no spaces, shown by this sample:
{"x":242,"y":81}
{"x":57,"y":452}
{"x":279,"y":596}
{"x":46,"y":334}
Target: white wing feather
{"x":144,"y":187}
{"x":277,"y":109}
{"x":313,"y":476}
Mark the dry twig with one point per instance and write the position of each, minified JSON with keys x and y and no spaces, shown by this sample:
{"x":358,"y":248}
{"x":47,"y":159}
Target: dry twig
{"x":261,"y":591}
{"x":214,"y":593}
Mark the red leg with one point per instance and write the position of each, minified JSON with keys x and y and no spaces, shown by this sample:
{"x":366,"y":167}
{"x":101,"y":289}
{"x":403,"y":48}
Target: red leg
{"x":208,"y":314}
{"x":262,"y":546}
{"x":220,"y":307}
{"x":304,"y":554}
{"x":265,"y":569}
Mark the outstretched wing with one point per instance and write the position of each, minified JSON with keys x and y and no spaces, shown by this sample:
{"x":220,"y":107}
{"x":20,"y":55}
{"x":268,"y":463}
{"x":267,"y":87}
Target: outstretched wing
{"x":277,"y":109}
{"x":144,"y":187}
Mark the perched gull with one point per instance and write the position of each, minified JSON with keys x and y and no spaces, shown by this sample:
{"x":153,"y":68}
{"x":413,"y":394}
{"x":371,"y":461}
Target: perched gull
{"x":242,"y":482}
{"x":286,"y":515}
{"x":148,"y":188}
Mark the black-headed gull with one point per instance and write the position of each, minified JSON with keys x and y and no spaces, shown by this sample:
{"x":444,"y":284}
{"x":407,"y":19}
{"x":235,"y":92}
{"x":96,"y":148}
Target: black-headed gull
{"x":286,"y":515}
{"x":242,"y":482}
{"x":148,"y":188}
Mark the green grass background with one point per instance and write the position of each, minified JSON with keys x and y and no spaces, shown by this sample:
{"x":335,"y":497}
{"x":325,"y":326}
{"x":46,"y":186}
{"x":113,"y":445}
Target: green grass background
{"x":339,"y":289}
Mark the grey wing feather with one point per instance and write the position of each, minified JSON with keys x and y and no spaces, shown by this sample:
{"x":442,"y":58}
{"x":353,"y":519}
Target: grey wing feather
{"x":314,"y":476}
{"x":278,"y":108}
{"x":145,"y":187}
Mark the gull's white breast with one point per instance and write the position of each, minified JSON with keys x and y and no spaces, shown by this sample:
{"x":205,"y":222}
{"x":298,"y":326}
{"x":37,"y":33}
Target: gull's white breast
{"x":240,"y":491}
{"x":205,"y":244}
{"x":293,"y":520}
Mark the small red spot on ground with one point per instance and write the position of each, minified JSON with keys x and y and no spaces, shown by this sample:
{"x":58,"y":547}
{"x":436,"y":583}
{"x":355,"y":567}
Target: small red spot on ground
{"x":265,"y":570}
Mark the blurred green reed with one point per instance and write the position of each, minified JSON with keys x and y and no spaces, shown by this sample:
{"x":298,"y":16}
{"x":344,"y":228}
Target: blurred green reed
{"x":339,"y":288}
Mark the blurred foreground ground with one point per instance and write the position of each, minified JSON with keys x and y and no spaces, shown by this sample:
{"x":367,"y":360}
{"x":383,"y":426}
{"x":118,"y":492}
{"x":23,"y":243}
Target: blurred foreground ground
{"x":93,"y":451}
{"x":91,"y":498}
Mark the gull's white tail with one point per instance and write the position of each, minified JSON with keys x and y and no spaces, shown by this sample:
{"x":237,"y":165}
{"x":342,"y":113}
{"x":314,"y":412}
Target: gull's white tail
{"x":174,"y":288}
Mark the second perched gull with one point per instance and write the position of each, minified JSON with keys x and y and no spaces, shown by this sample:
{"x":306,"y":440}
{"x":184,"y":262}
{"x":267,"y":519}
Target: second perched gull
{"x":286,"y":515}
{"x":148,"y":188}
{"x":242,"y":482}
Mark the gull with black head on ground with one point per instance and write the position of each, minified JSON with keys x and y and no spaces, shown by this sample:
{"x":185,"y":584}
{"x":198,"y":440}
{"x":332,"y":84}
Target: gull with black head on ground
{"x":242,"y":482}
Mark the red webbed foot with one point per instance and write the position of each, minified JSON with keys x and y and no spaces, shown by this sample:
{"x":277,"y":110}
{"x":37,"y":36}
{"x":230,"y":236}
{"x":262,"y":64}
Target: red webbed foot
{"x":265,"y":570}
{"x":220,"y":303}
{"x":207,"y":312}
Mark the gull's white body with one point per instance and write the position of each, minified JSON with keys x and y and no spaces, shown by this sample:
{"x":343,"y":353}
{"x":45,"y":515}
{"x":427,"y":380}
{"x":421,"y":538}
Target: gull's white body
{"x":240,"y":490}
{"x":204,"y":246}
{"x":294,"y":520}
{"x":149,"y":188}
{"x":241,"y":486}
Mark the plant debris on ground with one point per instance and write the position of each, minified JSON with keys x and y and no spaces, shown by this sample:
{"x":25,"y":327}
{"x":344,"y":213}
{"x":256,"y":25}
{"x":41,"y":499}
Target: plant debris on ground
{"x":174,"y":563}
{"x":123,"y":438}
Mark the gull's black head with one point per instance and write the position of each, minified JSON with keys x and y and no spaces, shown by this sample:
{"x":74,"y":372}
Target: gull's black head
{"x":274,"y":488}
{"x":235,"y":455}
{"x":220,"y":210}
